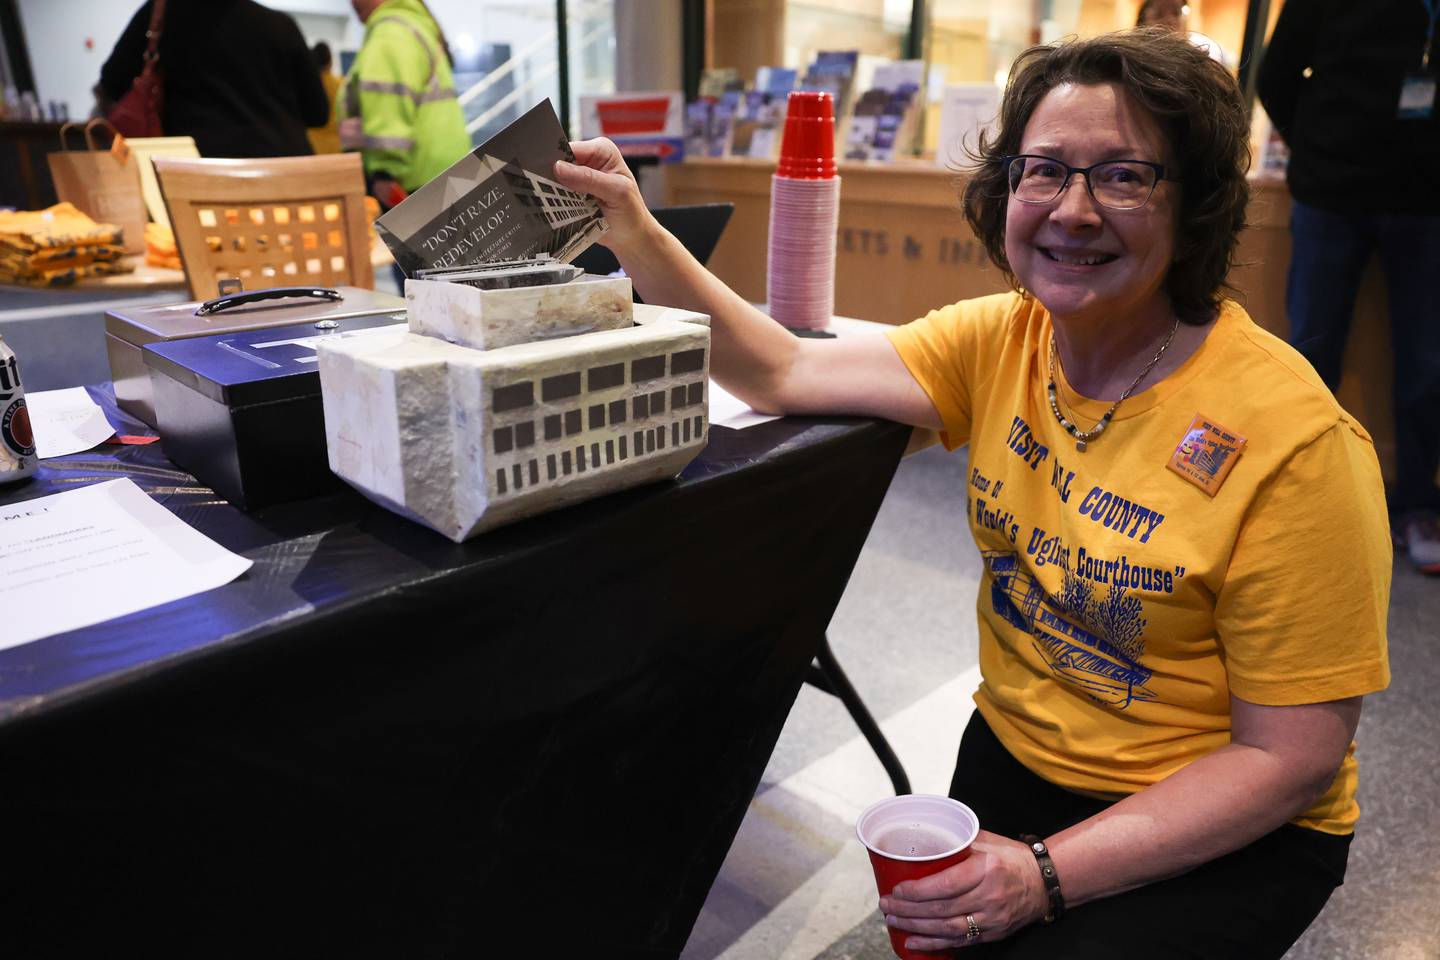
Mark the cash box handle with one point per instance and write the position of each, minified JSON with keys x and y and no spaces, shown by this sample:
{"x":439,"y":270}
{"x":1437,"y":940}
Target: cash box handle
{"x":219,"y":304}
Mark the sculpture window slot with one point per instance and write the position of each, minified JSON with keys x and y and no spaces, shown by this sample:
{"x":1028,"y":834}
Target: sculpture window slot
{"x":623,"y":455}
{"x":580,"y":459}
{"x":677,"y":397}
{"x":500,"y":481}
{"x":206,"y":216}
{"x":515,"y":475}
{"x":525,"y":434}
{"x":610,"y":375}
{"x":565,"y":463}
{"x":560,"y":387}
{"x":609,"y":452}
{"x":516,"y":396}
{"x":657,"y":403}
{"x":552,"y":427}
{"x":550,"y":466}
{"x":687,"y":361}
{"x":572,"y":422}
{"x":534,"y":473}
{"x":504,"y":440}
{"x":642,"y":408}
{"x":697,"y":392}
{"x":595,"y":454}
{"x":647,"y":368}
{"x":617,"y":411}
{"x":597,"y":416}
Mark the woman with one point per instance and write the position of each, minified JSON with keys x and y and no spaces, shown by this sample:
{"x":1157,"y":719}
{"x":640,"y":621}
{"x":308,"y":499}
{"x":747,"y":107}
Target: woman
{"x":1187,"y":564}
{"x":238,"y":77}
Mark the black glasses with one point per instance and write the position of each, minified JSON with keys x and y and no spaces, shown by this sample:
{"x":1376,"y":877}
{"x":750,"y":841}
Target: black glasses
{"x":1117,"y":184}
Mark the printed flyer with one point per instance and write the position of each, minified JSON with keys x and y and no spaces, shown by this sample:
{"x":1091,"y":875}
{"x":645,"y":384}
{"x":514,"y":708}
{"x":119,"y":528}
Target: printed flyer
{"x":498,"y":202}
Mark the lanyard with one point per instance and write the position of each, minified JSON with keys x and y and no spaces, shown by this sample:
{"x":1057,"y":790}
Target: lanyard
{"x":1432,"y":7}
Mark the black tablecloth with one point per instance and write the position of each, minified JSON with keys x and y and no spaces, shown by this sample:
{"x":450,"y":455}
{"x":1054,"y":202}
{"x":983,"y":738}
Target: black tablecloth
{"x":380,"y":743}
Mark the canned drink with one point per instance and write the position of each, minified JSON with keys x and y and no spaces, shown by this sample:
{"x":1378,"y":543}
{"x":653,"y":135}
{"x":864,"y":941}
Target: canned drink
{"x":17,"y":440}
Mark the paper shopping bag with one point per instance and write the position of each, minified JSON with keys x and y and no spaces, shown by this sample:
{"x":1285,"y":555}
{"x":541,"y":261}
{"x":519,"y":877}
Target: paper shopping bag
{"x":103,"y":184}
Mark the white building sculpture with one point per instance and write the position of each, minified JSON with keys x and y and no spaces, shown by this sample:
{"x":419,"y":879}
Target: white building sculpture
{"x":499,"y":404}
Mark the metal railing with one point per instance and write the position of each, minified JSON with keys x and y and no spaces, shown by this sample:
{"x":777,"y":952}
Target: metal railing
{"x":536,"y":63}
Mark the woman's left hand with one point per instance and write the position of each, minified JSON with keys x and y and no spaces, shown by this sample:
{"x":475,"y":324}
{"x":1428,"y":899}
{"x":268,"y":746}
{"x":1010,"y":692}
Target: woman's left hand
{"x":999,"y":886}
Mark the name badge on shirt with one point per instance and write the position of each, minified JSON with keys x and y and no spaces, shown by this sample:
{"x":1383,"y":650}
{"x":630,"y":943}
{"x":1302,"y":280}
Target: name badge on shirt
{"x":1417,"y":97}
{"x":1206,"y":453}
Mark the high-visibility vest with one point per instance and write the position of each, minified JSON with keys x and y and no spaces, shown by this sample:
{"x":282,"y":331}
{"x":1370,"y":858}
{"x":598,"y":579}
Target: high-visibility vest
{"x":398,"y":105}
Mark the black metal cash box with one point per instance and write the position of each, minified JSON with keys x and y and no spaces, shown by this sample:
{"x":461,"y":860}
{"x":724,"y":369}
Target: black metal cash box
{"x":242,"y":411}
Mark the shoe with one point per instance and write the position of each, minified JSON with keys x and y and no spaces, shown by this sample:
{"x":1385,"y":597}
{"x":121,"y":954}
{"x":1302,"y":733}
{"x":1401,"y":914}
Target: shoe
{"x":1421,"y":539}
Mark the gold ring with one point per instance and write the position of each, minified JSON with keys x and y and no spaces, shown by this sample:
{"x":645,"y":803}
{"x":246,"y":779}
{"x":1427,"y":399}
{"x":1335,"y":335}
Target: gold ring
{"x":973,"y":933}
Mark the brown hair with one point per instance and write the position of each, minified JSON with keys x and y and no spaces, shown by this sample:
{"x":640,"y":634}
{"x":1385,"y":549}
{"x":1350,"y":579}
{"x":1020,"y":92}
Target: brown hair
{"x":1196,"y":103}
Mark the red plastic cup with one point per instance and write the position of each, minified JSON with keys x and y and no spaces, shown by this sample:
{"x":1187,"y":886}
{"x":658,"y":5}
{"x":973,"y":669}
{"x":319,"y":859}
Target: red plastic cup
{"x":807,"y":148}
{"x":914,"y":836}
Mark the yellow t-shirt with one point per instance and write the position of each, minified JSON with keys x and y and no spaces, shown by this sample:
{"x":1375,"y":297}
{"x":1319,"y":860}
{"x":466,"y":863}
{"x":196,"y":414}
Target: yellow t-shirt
{"x":1121,"y":604}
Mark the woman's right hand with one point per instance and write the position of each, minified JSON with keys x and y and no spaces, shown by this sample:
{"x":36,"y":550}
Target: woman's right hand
{"x":601,"y":172}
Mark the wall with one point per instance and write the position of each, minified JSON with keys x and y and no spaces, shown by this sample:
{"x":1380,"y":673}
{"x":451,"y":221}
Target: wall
{"x":57,"y":32}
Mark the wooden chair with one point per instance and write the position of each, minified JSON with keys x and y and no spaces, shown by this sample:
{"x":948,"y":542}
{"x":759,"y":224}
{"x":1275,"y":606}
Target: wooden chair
{"x":276,"y":222}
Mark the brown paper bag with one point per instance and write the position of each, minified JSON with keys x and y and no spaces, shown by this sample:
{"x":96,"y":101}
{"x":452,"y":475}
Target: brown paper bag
{"x":102,"y":185}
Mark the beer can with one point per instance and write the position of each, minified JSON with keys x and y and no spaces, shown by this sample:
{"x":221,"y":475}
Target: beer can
{"x":17,"y":440}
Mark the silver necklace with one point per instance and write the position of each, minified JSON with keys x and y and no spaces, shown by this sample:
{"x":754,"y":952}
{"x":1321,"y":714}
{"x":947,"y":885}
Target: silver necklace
{"x":1083,"y":437}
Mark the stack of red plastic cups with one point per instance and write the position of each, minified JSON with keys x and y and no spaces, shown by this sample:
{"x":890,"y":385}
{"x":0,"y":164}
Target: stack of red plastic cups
{"x":804,"y":213}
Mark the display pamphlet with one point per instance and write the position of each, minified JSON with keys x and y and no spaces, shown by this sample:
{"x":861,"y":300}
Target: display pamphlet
{"x":498,"y":202}
{"x":641,"y":124}
{"x":968,"y":111}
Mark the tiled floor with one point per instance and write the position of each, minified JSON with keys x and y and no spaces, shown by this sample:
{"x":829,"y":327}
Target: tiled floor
{"x":796,"y":885}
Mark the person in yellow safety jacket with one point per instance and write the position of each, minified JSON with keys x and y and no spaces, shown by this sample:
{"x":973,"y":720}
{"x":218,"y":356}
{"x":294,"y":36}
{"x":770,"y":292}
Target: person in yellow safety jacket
{"x":398,"y":103}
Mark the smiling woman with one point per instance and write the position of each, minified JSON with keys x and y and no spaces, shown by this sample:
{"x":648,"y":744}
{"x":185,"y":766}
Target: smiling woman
{"x":1166,"y":718}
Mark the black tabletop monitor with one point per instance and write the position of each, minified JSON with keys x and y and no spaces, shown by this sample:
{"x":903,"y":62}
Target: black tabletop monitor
{"x":697,"y":226}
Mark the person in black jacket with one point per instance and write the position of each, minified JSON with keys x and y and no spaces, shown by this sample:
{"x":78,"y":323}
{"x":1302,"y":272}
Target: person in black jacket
{"x":1352,"y":89}
{"x":238,"y":77}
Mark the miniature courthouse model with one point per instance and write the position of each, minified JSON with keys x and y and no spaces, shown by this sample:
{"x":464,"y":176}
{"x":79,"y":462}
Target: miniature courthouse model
{"x":497,"y":404}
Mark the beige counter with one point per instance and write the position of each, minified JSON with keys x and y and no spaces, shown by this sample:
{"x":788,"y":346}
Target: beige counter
{"x":904,"y":248}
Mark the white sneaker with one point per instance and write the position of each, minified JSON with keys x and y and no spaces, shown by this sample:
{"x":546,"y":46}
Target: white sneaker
{"x":1422,"y":542}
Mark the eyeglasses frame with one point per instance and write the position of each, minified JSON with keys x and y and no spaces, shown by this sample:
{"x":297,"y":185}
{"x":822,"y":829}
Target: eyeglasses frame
{"x":1084,"y":172}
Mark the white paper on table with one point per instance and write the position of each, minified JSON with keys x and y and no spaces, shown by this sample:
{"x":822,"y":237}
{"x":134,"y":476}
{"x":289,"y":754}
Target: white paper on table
{"x":727,"y":411}
{"x":84,"y":556}
{"x":66,"y":421}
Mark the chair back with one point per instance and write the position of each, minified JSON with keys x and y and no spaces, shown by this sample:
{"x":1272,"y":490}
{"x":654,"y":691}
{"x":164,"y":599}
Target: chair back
{"x":270,"y":222}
